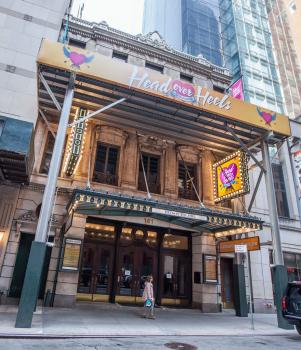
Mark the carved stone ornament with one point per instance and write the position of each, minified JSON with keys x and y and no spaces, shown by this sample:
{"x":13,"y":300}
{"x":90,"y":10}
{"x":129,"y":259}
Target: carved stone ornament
{"x":152,"y":143}
{"x":154,"y":39}
{"x":28,"y":216}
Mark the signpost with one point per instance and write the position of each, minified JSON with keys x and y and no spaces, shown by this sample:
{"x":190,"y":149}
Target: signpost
{"x":243,"y":249}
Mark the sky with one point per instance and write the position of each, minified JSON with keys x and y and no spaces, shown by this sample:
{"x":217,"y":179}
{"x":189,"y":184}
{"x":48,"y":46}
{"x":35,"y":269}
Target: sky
{"x":125,"y":15}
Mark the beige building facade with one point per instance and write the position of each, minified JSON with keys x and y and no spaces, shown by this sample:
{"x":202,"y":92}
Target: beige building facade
{"x":135,"y":195}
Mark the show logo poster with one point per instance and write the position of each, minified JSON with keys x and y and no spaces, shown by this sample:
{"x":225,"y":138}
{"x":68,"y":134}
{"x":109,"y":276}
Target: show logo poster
{"x":231,"y":177}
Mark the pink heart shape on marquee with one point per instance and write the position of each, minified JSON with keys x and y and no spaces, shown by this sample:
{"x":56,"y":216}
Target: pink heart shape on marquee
{"x":228,"y":174}
{"x":77,"y":58}
{"x":267,"y":117}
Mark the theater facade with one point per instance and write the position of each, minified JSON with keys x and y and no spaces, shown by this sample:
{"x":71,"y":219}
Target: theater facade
{"x":149,"y":186}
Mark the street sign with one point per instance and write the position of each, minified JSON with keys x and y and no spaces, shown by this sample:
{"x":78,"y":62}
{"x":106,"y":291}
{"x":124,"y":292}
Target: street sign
{"x":252,"y":243}
{"x":241,"y":248}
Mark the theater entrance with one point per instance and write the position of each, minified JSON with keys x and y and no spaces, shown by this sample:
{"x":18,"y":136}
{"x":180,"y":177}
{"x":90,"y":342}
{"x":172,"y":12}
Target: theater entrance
{"x":116,"y":259}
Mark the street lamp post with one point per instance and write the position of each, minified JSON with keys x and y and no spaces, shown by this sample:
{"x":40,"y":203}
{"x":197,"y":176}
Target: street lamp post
{"x":36,"y":259}
{"x":280,"y":278}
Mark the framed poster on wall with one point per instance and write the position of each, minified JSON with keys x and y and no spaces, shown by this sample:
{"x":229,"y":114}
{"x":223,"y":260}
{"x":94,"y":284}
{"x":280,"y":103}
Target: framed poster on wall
{"x":71,"y":254}
{"x":210,"y":268}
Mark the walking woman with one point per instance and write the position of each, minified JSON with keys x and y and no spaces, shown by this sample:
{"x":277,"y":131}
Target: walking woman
{"x":148,"y":297}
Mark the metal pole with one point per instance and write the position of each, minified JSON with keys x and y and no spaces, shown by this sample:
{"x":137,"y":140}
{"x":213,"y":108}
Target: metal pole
{"x":34,"y":268}
{"x":269,"y":180}
{"x":54,"y":168}
{"x":293,"y":169}
{"x":251,"y":289}
{"x":279,"y":271}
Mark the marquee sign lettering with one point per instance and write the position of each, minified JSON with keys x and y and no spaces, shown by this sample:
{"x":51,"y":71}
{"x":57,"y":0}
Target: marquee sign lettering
{"x":231,"y":177}
{"x":98,"y":66}
{"x":75,"y":143}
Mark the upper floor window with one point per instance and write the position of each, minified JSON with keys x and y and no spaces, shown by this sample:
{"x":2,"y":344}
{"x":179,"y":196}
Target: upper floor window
{"x":154,"y":67}
{"x":1,"y":126}
{"x":47,"y":154}
{"x":151,"y":165}
{"x":120,"y":56}
{"x":185,"y":180}
{"x":185,"y":77}
{"x":106,"y":164}
{"x":281,"y":196}
{"x":218,"y":89}
{"x":77,"y":43}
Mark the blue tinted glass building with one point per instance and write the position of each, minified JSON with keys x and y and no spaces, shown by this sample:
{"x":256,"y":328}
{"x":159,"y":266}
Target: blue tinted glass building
{"x":201,"y":29}
{"x":191,"y":26}
{"x":248,"y":51}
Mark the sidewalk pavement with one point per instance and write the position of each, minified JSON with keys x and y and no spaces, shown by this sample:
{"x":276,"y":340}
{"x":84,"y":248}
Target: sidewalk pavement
{"x":113,"y":320}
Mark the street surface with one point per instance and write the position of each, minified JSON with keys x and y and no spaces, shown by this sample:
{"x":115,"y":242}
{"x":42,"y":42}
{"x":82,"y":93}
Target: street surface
{"x":144,"y":343}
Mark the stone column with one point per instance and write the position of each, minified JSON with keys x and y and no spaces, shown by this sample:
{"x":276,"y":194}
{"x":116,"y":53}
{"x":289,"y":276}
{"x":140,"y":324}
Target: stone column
{"x":171,"y":172}
{"x":130,"y":163}
{"x":204,"y":296}
{"x":66,"y":288}
{"x":207,"y":178}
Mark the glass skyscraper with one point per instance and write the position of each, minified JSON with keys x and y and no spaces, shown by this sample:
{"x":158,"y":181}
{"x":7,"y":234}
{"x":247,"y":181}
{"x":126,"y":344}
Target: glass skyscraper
{"x":248,"y":51}
{"x":201,"y":29}
{"x":232,"y":33}
{"x":191,"y":26}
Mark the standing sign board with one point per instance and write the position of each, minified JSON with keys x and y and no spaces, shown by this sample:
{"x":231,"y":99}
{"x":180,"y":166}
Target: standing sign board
{"x":71,"y":254}
{"x":210,"y":268}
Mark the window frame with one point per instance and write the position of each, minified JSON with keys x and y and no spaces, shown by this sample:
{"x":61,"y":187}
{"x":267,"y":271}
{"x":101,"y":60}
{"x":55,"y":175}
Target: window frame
{"x":108,"y":147}
{"x":158,"y":185}
{"x":196,"y":182}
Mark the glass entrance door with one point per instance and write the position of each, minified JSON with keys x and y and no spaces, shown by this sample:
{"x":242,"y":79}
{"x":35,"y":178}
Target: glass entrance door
{"x":95,"y":273}
{"x":176,"y":279}
{"x":134,"y":265}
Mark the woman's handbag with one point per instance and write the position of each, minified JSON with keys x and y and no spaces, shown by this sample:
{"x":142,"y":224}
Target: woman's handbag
{"x":148,"y":303}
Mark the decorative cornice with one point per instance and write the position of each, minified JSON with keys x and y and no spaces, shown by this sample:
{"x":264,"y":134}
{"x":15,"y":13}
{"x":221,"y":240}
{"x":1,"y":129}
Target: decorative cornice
{"x":151,"y":44}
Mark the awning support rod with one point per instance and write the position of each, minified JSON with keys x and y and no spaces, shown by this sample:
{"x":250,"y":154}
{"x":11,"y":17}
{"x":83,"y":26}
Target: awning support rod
{"x":244,"y":147}
{"x":191,"y":180}
{"x":93,"y":114}
{"x":143,"y":170}
{"x":255,"y":190}
{"x":47,"y":123}
{"x":51,"y":94}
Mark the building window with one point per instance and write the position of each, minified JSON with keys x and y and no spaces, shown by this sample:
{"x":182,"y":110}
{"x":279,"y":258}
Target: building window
{"x":218,"y":89}
{"x":281,"y":197}
{"x":120,"y":56}
{"x":185,"y":77}
{"x":185,"y":187}
{"x":1,"y":126}
{"x":77,"y":43}
{"x":152,"y":171}
{"x":47,"y":154}
{"x":154,"y":67}
{"x":292,"y":262}
{"x":106,"y":164}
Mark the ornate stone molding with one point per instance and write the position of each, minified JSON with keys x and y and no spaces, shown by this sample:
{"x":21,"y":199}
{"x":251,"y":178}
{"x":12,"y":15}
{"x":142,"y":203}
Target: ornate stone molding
{"x":154,"y":39}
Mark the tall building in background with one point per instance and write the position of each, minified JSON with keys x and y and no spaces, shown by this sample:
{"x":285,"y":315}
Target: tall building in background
{"x":248,"y":48}
{"x":191,"y":26}
{"x":164,"y":16}
{"x":285,"y":18}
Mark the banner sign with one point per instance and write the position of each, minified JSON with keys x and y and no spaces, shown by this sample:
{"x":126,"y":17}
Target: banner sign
{"x":252,"y":243}
{"x":237,"y":90}
{"x":230,"y":177}
{"x":210,"y":268}
{"x":297,"y":160}
{"x":97,"y":66}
